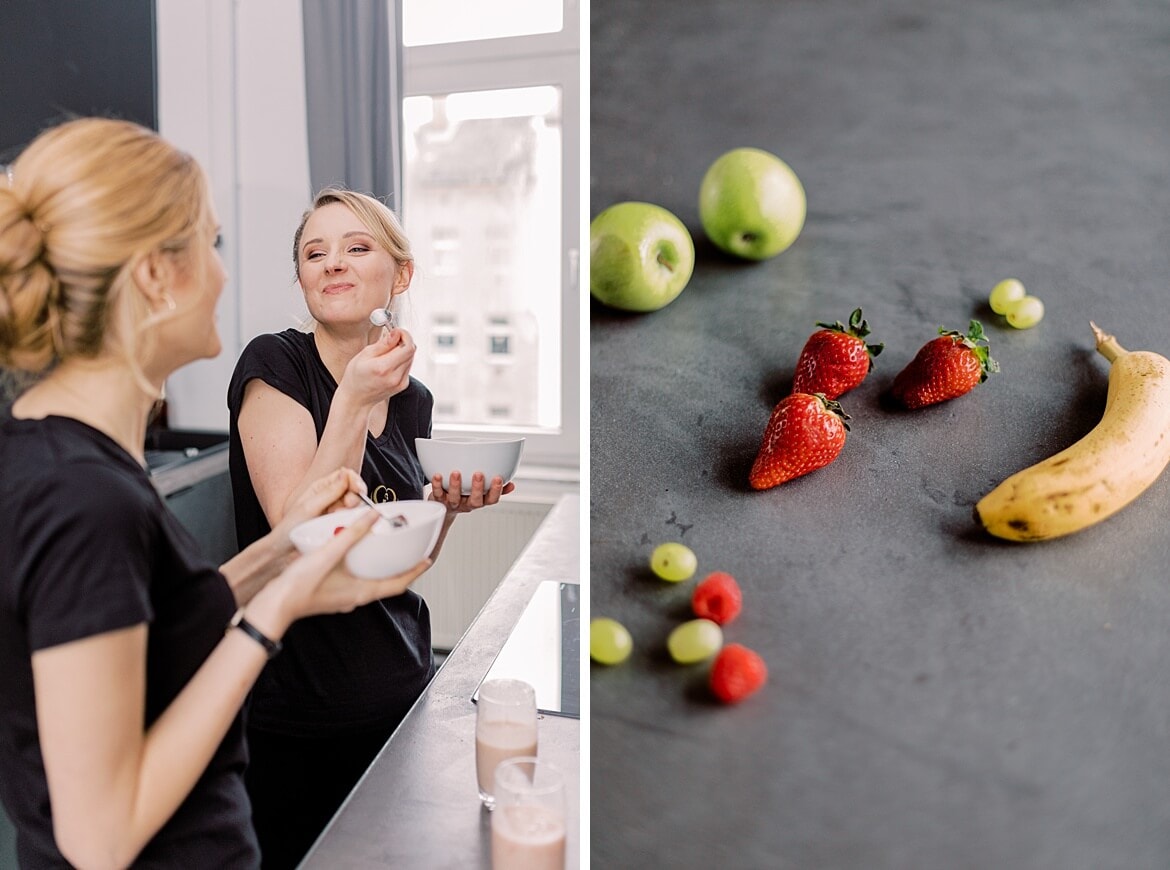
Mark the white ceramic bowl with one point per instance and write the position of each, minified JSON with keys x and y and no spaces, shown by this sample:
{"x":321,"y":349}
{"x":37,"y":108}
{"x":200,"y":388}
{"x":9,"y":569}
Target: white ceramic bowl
{"x":468,"y":455}
{"x":385,"y":550}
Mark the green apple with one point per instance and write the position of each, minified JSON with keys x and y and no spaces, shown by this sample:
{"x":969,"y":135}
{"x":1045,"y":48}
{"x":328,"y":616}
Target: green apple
{"x":640,"y":256}
{"x":751,"y":204}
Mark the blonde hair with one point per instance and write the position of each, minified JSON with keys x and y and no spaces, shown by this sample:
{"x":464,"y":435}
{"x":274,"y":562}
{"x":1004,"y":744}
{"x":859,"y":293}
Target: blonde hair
{"x":374,"y":214}
{"x":80,"y":207}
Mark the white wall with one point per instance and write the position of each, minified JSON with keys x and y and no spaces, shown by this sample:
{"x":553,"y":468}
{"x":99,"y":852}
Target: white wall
{"x":231,"y":92}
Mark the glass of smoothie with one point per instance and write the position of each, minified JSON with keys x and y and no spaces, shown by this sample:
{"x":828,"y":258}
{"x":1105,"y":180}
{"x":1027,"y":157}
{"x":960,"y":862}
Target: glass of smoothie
{"x":505,"y":727}
{"x":528,"y":824}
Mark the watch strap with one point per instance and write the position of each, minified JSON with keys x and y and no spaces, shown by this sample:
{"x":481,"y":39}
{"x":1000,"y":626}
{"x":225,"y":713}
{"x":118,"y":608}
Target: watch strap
{"x":272,"y":647}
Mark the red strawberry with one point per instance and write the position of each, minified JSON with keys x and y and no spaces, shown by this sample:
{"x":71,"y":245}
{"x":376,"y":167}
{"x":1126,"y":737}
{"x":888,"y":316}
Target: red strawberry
{"x":736,"y":673}
{"x":836,"y":358}
{"x":945,"y":368}
{"x":717,"y":598}
{"x":804,"y":433}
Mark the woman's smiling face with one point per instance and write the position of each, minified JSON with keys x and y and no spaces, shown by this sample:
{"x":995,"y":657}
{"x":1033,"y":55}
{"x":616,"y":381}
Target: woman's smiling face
{"x":344,"y":273}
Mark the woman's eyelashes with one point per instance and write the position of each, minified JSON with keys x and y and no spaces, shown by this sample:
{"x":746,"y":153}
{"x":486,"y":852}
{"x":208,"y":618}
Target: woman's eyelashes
{"x":352,"y":249}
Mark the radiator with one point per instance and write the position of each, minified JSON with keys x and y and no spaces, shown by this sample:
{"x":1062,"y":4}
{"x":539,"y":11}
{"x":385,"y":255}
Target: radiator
{"x":478,"y":551}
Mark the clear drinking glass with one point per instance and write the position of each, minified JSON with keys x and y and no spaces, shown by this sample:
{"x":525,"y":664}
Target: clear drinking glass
{"x":505,"y":727}
{"x":528,"y":824}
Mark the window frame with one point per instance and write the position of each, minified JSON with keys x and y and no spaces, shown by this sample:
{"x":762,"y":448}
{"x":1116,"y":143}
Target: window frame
{"x":515,"y":62}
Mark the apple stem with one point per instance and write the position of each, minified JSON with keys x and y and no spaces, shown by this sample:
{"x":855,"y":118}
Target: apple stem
{"x":664,"y":263}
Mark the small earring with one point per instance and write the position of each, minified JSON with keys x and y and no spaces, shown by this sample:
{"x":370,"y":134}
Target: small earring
{"x":169,"y":300}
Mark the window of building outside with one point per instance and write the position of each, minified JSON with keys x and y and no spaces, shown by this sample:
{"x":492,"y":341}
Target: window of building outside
{"x":490,"y":201}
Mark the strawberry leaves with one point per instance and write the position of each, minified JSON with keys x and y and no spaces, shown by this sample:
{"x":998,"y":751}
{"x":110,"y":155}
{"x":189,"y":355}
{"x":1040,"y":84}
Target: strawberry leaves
{"x":979,"y":345}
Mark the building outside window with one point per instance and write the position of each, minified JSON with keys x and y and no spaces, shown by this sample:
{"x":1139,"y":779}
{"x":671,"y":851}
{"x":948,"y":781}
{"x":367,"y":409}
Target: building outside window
{"x":491,"y":196}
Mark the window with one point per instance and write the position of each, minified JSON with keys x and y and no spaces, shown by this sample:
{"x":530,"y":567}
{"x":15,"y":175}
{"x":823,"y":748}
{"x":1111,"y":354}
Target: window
{"x":491,"y":197}
{"x":498,"y":240}
{"x":445,"y":250}
{"x":445,"y":334}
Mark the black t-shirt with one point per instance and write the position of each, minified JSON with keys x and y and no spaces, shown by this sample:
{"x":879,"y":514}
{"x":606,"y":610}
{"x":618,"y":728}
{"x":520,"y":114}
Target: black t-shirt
{"x":350,"y":672}
{"x":88,"y":546}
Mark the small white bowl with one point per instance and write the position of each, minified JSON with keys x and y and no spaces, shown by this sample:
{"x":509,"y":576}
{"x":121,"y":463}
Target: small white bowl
{"x":468,"y":455}
{"x":386,"y":550}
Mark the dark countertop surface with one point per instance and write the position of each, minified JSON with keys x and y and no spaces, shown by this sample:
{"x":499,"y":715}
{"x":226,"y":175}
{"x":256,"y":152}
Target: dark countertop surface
{"x":937,"y":698}
{"x":417,"y":806}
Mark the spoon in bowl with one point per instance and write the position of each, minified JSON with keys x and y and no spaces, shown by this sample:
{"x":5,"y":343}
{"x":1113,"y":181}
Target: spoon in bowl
{"x":396,"y":522}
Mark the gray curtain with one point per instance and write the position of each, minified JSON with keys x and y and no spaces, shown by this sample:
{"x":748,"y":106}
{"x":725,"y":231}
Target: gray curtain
{"x":353,"y":74}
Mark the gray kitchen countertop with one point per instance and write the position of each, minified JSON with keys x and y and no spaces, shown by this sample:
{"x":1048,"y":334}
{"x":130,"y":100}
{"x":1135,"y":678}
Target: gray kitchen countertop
{"x":937,"y":698}
{"x":417,"y":807}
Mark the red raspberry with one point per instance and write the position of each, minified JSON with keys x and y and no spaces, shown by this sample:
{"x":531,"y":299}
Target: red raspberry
{"x":718,"y":598}
{"x":737,"y":673}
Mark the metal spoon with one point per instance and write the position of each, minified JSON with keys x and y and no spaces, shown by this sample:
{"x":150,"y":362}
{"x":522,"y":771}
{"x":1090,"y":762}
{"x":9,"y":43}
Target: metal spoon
{"x":395,"y":522}
{"x":383,"y":317}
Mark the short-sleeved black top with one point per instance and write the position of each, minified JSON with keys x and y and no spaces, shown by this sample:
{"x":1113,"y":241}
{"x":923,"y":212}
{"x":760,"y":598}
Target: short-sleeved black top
{"x":356,"y":672}
{"x":88,"y":546}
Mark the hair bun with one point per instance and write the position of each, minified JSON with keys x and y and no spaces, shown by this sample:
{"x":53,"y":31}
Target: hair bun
{"x":29,"y":290}
{"x":22,"y":239}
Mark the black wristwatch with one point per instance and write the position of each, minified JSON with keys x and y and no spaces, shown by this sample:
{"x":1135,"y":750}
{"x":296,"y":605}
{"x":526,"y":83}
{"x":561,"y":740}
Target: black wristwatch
{"x":272,"y":647}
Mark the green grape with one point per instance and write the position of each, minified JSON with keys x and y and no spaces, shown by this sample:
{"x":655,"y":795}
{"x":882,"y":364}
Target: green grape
{"x":1005,"y":294}
{"x":694,"y":641}
{"x":609,"y":642}
{"x":673,"y":562}
{"x":1026,"y":313}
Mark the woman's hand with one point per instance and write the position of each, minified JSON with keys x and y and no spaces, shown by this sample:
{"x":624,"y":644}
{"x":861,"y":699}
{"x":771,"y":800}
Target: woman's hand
{"x":257,"y":564}
{"x":325,"y":495}
{"x":481,"y":494}
{"x":319,"y":582}
{"x":381,"y":369}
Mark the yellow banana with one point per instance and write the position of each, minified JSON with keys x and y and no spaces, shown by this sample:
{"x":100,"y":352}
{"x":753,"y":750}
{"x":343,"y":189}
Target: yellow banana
{"x":1103,"y":472}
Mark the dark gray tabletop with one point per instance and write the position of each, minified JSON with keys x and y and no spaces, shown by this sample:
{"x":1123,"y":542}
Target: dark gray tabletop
{"x":938,"y":698}
{"x":417,"y":807}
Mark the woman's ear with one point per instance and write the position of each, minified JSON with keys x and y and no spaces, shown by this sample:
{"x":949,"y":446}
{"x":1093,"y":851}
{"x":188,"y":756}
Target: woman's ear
{"x":403,"y":278}
{"x":153,"y":274}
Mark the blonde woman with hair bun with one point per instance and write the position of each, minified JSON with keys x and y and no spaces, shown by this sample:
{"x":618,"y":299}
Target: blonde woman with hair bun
{"x":125,"y":657}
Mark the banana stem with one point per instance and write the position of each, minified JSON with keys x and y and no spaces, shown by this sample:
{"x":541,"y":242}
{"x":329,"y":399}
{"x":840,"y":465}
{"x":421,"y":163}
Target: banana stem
{"x":1107,"y":345}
